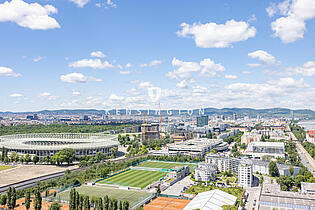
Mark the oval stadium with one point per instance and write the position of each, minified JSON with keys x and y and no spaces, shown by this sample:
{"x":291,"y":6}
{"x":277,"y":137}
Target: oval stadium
{"x":43,"y":144}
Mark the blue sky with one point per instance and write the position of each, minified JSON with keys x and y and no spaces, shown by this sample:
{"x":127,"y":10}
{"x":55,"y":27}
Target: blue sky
{"x":139,"y":54}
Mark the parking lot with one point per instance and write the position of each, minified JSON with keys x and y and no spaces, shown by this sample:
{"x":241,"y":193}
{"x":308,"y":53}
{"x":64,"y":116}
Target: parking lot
{"x":178,"y":187}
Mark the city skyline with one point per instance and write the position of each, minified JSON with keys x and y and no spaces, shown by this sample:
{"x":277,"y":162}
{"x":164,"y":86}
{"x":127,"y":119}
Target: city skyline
{"x":86,"y":54}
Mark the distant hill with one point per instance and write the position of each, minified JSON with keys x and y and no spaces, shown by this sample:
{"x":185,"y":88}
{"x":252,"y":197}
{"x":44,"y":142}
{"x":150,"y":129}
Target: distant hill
{"x":241,"y":112}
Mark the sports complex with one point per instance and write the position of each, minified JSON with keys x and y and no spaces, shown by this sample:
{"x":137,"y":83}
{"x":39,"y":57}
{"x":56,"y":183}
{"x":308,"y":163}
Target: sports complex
{"x":43,"y":144}
{"x":130,"y":184}
{"x":142,"y":175}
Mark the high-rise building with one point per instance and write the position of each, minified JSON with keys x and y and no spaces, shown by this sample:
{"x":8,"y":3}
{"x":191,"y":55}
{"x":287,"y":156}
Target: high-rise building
{"x":292,"y":115}
{"x":150,"y":131}
{"x":234,"y":116}
{"x":202,"y":121}
{"x":245,"y":174}
{"x":35,"y":117}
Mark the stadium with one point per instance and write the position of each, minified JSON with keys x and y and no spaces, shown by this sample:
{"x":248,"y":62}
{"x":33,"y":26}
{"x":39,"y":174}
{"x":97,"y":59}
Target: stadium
{"x":43,"y":144}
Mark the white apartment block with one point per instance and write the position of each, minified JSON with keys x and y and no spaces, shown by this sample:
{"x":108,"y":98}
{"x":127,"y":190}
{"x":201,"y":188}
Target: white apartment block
{"x":223,"y":163}
{"x":245,"y":174}
{"x":206,"y":172}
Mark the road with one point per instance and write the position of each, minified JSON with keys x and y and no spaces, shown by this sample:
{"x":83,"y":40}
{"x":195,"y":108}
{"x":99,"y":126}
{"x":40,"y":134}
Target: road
{"x":306,"y":158}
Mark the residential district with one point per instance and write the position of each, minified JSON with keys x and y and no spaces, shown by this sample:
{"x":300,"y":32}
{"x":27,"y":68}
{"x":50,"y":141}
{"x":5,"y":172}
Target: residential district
{"x":75,"y":161}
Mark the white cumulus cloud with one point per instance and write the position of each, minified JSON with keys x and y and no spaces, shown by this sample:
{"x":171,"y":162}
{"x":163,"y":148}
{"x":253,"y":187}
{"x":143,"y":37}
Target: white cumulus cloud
{"x":114,"y":97}
{"x":91,"y":63}
{"x":16,"y":95}
{"x":5,"y":71}
{"x":98,"y":54}
{"x":80,"y":3}
{"x":263,"y":56}
{"x":78,"y":78}
{"x":307,"y":69}
{"x":292,"y":26}
{"x":206,"y":67}
{"x":213,"y":35}
{"x":28,"y":15}
{"x":151,"y":63}
{"x":230,"y":76}
{"x":182,"y":84}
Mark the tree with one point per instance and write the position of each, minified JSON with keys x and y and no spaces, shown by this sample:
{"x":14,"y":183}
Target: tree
{"x":126,"y":205}
{"x":99,"y":203}
{"x":158,"y":191}
{"x":106,"y":202}
{"x":3,"y":200}
{"x":81,"y":203}
{"x":35,"y":159}
{"x":46,"y":192}
{"x":55,"y":206}
{"x":87,"y":203}
{"x":9,"y":196}
{"x":114,"y":151}
{"x":273,"y":169}
{"x":28,"y":200}
{"x":13,"y":198}
{"x":291,"y":170}
{"x":27,"y":158}
{"x":37,"y":200}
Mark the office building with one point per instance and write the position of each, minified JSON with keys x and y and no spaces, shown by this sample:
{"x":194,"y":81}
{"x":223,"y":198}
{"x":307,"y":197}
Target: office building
{"x":202,"y":121}
{"x":260,"y":149}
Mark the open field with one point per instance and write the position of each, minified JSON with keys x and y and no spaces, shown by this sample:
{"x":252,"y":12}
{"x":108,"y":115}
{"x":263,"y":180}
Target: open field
{"x":3,"y":167}
{"x":164,"y":165}
{"x":126,"y":195}
{"x":134,"y":178}
{"x":26,"y":172}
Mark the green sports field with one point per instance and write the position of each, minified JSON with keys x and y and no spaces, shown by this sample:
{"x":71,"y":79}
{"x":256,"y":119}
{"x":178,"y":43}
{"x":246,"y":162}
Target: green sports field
{"x":3,"y":167}
{"x":164,"y":165}
{"x":134,"y":178}
{"x":126,"y":195}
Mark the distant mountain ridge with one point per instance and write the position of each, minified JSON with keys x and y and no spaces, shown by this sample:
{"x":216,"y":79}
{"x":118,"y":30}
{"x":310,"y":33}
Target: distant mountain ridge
{"x":240,"y":112}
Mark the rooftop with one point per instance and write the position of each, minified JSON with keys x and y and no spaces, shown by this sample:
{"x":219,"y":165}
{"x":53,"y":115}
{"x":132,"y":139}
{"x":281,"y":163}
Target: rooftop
{"x":212,"y":200}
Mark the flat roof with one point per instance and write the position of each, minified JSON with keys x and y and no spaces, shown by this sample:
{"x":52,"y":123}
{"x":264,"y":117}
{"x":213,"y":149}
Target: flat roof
{"x":267,"y":144}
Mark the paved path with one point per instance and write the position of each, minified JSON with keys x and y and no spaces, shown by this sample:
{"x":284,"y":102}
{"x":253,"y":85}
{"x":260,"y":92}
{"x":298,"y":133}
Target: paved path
{"x":306,"y":158}
{"x":176,"y":189}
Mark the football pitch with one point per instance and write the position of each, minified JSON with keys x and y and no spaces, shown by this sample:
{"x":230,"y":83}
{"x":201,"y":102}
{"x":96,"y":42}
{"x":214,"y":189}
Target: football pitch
{"x":134,"y":178}
{"x":164,"y":165}
{"x":125,"y":195}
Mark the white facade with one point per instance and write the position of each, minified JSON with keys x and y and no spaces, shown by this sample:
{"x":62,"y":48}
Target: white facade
{"x":245,"y":174}
{"x":206,"y":172}
{"x":260,"y":149}
{"x":223,"y":163}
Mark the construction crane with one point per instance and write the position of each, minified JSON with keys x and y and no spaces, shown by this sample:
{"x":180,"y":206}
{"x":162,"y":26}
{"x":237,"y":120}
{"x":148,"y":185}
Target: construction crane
{"x":143,"y":133}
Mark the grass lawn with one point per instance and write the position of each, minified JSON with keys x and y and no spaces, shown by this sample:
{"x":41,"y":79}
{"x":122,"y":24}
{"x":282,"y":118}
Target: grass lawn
{"x":195,"y":189}
{"x":125,"y":195}
{"x":3,"y":167}
{"x":134,"y":178}
{"x":164,"y":165}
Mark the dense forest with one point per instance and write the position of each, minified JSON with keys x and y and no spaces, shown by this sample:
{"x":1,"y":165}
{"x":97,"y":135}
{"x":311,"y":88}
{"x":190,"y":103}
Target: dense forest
{"x":60,"y":128}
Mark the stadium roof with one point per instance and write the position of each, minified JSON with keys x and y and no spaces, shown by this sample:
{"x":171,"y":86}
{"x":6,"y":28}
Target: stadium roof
{"x":212,"y":200}
{"x":57,"y":141}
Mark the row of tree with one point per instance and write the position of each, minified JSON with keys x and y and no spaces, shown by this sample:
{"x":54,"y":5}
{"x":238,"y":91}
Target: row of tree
{"x":79,"y":202}
{"x":64,"y":156}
